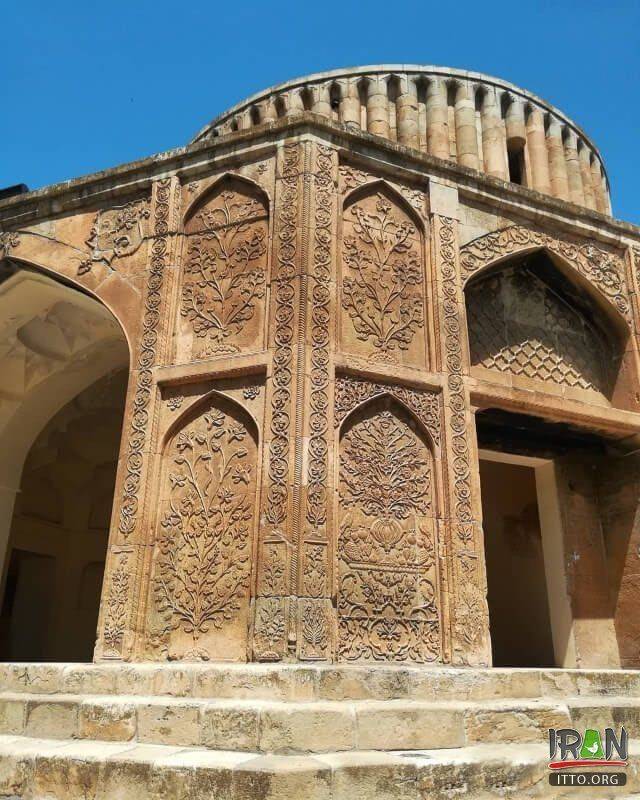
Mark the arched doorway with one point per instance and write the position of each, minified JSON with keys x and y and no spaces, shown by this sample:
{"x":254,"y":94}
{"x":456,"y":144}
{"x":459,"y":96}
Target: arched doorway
{"x":63,"y":375}
{"x":538,"y":329}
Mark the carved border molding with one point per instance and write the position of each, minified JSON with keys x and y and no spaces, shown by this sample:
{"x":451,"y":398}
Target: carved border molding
{"x":146,"y":359}
{"x":602,"y":268}
{"x":468,"y":605}
{"x":317,"y":470}
{"x":270,"y":624}
{"x":352,"y":392}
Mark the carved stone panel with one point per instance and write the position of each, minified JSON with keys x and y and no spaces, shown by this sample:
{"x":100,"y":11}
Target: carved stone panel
{"x":224,"y":273}
{"x":383,"y":283}
{"x":202,"y":568}
{"x":388,"y":598}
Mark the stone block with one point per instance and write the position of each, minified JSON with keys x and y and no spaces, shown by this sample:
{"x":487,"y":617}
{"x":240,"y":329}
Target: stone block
{"x":229,"y":727}
{"x":12,"y":716}
{"x":514,"y":724}
{"x":164,"y":723}
{"x":113,"y":721}
{"x":316,"y":727}
{"x":51,"y":719}
{"x":408,"y":726}
{"x":282,"y":778}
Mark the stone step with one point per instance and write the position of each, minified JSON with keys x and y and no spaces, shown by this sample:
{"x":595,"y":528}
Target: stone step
{"x":315,"y":682}
{"x":35,"y":769}
{"x":300,"y":727}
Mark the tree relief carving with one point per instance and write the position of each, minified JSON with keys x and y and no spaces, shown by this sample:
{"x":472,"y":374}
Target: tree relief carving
{"x":225,"y":271}
{"x":382,"y":279}
{"x":388,"y":606}
{"x":203,"y":559}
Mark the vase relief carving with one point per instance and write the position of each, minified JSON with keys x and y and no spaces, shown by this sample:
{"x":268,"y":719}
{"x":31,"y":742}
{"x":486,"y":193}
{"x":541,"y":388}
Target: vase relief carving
{"x":224,"y":274}
{"x":383,"y":315}
{"x":203,"y":567}
{"x":388,"y":606}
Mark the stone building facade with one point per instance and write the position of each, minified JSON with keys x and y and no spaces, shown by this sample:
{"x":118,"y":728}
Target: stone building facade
{"x":335,"y":305}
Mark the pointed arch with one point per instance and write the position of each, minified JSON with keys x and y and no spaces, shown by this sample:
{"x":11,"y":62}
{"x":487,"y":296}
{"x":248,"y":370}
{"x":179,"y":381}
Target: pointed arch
{"x":225,"y":267}
{"x":529,"y":317}
{"x":600,"y":271}
{"x":218,"y":184}
{"x":380,"y":185}
{"x":424,"y":406}
{"x":205,"y":533}
{"x":382,"y":276}
{"x":387,"y":566}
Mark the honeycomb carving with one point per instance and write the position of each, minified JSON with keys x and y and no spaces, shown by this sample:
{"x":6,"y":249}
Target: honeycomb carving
{"x":518,"y":324}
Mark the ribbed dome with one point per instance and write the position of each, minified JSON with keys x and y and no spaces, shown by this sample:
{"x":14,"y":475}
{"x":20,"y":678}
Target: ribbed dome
{"x":472,"y":119}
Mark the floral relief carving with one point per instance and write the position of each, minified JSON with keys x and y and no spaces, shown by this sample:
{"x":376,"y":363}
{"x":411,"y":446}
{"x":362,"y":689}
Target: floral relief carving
{"x":225,"y":270}
{"x":116,"y":614}
{"x":382,"y":281}
{"x":469,"y":604}
{"x":146,"y":359}
{"x":351,"y":392}
{"x":201,"y":582}
{"x":116,"y":232}
{"x":315,"y":630}
{"x":275,"y":528}
{"x":602,"y":267}
{"x":8,"y":240}
{"x":387,"y":575}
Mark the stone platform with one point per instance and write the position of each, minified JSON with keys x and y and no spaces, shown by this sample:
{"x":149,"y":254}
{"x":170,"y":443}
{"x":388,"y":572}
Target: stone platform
{"x":232,"y":732}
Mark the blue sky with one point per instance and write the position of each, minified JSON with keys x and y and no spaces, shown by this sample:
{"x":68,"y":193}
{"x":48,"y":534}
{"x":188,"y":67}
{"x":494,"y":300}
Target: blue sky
{"x":86,"y":86}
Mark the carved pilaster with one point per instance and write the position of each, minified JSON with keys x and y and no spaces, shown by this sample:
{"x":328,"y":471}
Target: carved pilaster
{"x":315,"y":614}
{"x":271,"y":619}
{"x":124,"y":569}
{"x":469,"y":614}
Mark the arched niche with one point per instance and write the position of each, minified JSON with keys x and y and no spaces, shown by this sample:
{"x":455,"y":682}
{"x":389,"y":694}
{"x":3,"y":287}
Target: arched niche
{"x":225,"y":270}
{"x":203,"y":552}
{"x":382,"y":285}
{"x":56,"y":344}
{"x":387,"y":570}
{"x":533,"y":317}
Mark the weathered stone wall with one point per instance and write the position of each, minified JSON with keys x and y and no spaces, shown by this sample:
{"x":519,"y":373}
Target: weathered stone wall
{"x":298,"y":476}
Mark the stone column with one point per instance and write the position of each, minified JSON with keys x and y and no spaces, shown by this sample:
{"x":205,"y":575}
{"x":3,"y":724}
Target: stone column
{"x":322,"y":100}
{"x":493,"y":143}
{"x":350,"y":110}
{"x":466,"y":133}
{"x":407,"y":112}
{"x":537,"y":148}
{"x":268,"y":111}
{"x":377,"y":106}
{"x":437,"y":119}
{"x":584,"y":156}
{"x":557,"y":163}
{"x":596,"y":180}
{"x":574,"y":174}
{"x":294,"y":103}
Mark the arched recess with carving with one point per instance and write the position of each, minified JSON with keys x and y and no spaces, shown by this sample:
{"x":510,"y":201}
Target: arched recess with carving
{"x":387,"y":578}
{"x":382,"y":280}
{"x":225,"y":271}
{"x":64,"y":360}
{"x":552,"y":312}
{"x":203,"y":560}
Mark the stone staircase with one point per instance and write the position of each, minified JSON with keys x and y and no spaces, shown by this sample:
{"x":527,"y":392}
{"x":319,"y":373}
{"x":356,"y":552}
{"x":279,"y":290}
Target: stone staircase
{"x":230,"y":732}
